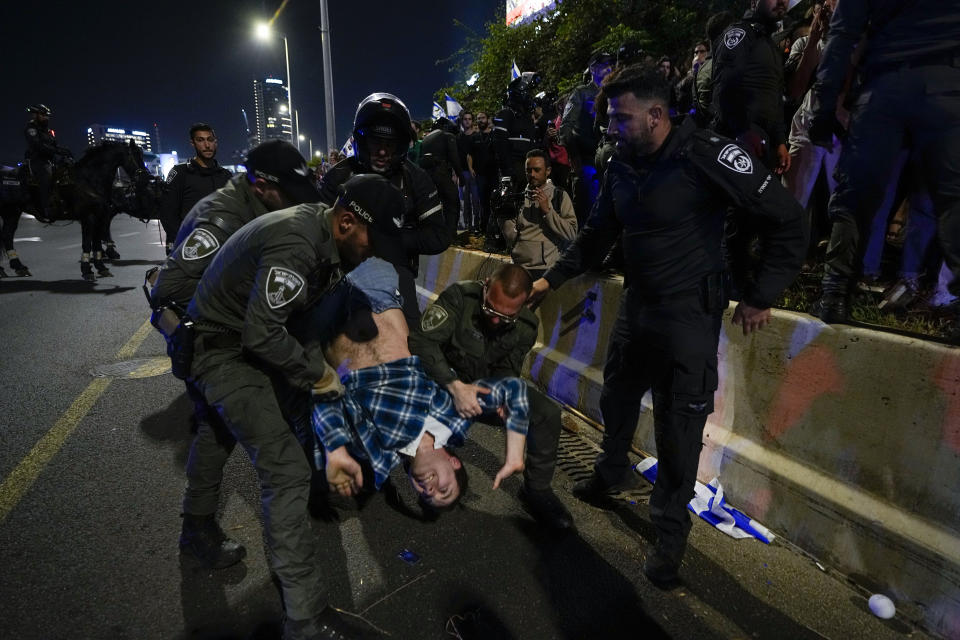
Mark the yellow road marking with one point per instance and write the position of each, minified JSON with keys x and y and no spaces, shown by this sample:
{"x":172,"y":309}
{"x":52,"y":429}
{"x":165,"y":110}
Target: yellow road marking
{"x":26,"y":473}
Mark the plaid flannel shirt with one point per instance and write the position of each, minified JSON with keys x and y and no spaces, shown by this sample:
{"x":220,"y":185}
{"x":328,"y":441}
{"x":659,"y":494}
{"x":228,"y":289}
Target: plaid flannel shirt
{"x":384,"y":408}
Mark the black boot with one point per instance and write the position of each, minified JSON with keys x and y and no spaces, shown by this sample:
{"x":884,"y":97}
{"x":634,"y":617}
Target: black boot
{"x":832,"y":308}
{"x":594,"y":490}
{"x":102,"y":270}
{"x":545,"y":507}
{"x":111,"y":252}
{"x":86,"y":269}
{"x":19,"y":267}
{"x":662,"y":566}
{"x":203,"y":539}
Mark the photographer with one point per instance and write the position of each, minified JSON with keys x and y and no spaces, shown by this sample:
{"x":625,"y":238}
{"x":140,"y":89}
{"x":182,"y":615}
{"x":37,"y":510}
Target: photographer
{"x":545,"y":224}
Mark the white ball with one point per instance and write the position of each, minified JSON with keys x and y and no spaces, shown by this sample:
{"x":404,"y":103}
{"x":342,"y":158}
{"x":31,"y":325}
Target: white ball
{"x":882,"y":606}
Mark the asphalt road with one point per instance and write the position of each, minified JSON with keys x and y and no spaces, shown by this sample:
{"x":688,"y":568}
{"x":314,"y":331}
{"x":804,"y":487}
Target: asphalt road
{"x":91,"y":478}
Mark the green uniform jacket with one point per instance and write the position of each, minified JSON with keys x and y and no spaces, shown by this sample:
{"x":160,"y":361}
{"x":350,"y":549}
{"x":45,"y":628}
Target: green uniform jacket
{"x":274,"y":266}
{"x":452,"y":344}
{"x":205,"y":229}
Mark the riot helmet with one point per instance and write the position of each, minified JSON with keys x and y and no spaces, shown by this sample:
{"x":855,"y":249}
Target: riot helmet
{"x":521,"y":90}
{"x":380,"y":118}
{"x":42,"y":109}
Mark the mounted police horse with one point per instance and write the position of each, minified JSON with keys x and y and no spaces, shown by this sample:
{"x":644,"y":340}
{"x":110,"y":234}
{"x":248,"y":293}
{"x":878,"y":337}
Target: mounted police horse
{"x":84,"y":192}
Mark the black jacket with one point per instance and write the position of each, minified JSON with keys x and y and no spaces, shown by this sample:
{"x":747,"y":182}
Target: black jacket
{"x":748,"y":81}
{"x":669,"y":213}
{"x":439,"y":148}
{"x":41,"y":145}
{"x":577,"y":132}
{"x":186,"y":185}
{"x":514,"y":134}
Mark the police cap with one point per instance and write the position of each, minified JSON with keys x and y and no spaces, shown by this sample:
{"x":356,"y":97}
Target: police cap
{"x":377,"y":203}
{"x":279,"y":162}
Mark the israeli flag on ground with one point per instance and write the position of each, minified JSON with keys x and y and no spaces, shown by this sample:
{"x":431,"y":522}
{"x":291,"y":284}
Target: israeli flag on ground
{"x":347,"y":149}
{"x":438,"y":111}
{"x":709,"y":503}
{"x":515,"y":71}
{"x":453,"y":107}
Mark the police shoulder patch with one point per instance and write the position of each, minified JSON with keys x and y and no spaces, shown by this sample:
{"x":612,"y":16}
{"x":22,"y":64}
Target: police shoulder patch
{"x":31,"y":131}
{"x":199,"y":244}
{"x":735,"y":159}
{"x":433,"y":317}
{"x":733,"y":37}
{"x":171,"y":175}
{"x":283,"y":285}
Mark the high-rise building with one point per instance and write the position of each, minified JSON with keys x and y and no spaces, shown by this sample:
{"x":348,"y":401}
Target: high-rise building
{"x":271,"y":102}
{"x":98,"y":133}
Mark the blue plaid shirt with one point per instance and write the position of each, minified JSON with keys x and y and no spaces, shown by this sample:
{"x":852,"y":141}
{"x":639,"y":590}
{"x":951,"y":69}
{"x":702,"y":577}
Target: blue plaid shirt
{"x":384,"y":408}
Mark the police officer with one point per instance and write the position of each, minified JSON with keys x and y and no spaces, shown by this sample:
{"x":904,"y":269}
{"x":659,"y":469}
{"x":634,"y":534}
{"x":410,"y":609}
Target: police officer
{"x":382,"y":133}
{"x":664,"y":194}
{"x":439,"y":155}
{"x":747,"y":79}
{"x":187,"y":183}
{"x":908,"y":91}
{"x":578,"y":136}
{"x":480,"y":330}
{"x":42,"y":154}
{"x":276,"y":178}
{"x":278,"y":264}
{"x":514,"y":132}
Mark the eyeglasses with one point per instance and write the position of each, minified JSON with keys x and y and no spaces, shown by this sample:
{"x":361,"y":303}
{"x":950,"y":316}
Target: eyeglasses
{"x":493,"y":313}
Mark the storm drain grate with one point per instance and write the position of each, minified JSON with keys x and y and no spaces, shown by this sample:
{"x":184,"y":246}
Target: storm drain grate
{"x":576,"y":455}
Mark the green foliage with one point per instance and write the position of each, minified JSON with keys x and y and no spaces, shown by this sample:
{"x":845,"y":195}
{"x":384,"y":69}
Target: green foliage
{"x":558,"y":45}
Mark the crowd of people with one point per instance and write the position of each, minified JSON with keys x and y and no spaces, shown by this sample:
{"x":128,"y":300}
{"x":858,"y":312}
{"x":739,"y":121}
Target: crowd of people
{"x":290,"y":309}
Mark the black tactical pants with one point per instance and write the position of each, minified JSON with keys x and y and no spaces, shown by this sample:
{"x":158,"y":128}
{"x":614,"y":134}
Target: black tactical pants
{"x":543,"y":438}
{"x":920,"y":104}
{"x":244,"y":397}
{"x":671,"y":348}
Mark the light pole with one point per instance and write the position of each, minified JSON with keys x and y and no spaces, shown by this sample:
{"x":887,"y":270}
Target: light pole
{"x":302,"y":137}
{"x":327,"y":77}
{"x":263,"y":32}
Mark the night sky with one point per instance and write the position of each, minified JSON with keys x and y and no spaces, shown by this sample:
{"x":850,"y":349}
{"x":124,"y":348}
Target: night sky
{"x":131,"y":64}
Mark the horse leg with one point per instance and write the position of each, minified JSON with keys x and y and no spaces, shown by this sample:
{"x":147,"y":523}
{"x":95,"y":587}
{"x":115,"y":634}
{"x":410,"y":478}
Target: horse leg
{"x":111,"y":246}
{"x":11,"y":220}
{"x":86,"y":232}
{"x":98,"y":226}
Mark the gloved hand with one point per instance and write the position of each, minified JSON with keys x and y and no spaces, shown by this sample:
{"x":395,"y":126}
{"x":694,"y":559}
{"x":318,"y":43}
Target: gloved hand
{"x":328,"y":388}
{"x":822,"y":130}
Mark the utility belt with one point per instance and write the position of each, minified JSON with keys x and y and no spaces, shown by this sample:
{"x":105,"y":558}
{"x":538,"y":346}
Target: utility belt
{"x":712,"y":292}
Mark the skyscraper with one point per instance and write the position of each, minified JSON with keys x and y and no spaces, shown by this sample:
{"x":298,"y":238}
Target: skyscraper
{"x":98,"y":132}
{"x":271,"y":103}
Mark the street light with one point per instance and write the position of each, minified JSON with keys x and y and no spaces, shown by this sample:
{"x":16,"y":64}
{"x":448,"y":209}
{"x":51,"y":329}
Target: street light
{"x":263,"y":32}
{"x":303,"y":138}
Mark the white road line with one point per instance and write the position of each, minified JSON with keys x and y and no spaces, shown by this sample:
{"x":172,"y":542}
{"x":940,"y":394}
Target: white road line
{"x":70,"y":246}
{"x":32,"y":239}
{"x":127,"y":235}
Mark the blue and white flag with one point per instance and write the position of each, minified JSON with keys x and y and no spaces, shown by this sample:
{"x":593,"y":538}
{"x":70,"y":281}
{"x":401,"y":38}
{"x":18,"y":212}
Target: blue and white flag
{"x":438,"y":111}
{"x":514,"y":71}
{"x":347,"y":149}
{"x":709,"y":503}
{"x":453,"y":108}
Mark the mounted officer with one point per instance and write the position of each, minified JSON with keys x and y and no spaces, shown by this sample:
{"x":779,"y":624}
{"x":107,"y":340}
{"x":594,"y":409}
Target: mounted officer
{"x":42,"y":154}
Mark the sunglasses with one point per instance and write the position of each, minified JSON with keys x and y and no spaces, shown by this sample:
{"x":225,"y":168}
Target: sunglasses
{"x":493,"y":313}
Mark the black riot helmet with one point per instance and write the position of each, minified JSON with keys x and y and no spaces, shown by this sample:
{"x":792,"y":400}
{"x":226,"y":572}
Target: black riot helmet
{"x":382,"y":115}
{"x":42,"y":109}
{"x":521,"y":90}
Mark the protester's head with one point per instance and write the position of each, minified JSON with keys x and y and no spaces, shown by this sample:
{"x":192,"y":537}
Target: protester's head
{"x":504,"y":294}
{"x":638,"y":108}
{"x":279,"y":176}
{"x":466,"y":120}
{"x":665,"y":66}
{"x":438,"y":476}
{"x":367,"y":218}
{"x":700,"y":52}
{"x":382,"y":132}
{"x":600,"y":65}
{"x":537,"y":167}
{"x":204,"y":141}
{"x":771,"y":10}
{"x":483,"y":121}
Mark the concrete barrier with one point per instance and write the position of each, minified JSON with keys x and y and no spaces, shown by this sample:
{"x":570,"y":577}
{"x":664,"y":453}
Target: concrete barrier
{"x":844,"y":441}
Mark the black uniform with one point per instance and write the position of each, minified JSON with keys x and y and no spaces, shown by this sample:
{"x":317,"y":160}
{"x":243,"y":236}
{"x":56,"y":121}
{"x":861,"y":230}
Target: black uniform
{"x":669,"y":209}
{"x":747,"y":78}
{"x":41,"y":154}
{"x":186,"y":184}
{"x":453,"y":344}
{"x":439,"y":155}
{"x":514,"y":134}
{"x":275,"y":265}
{"x":908,"y":92}
{"x":481,"y":151}
{"x":425,"y":231}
